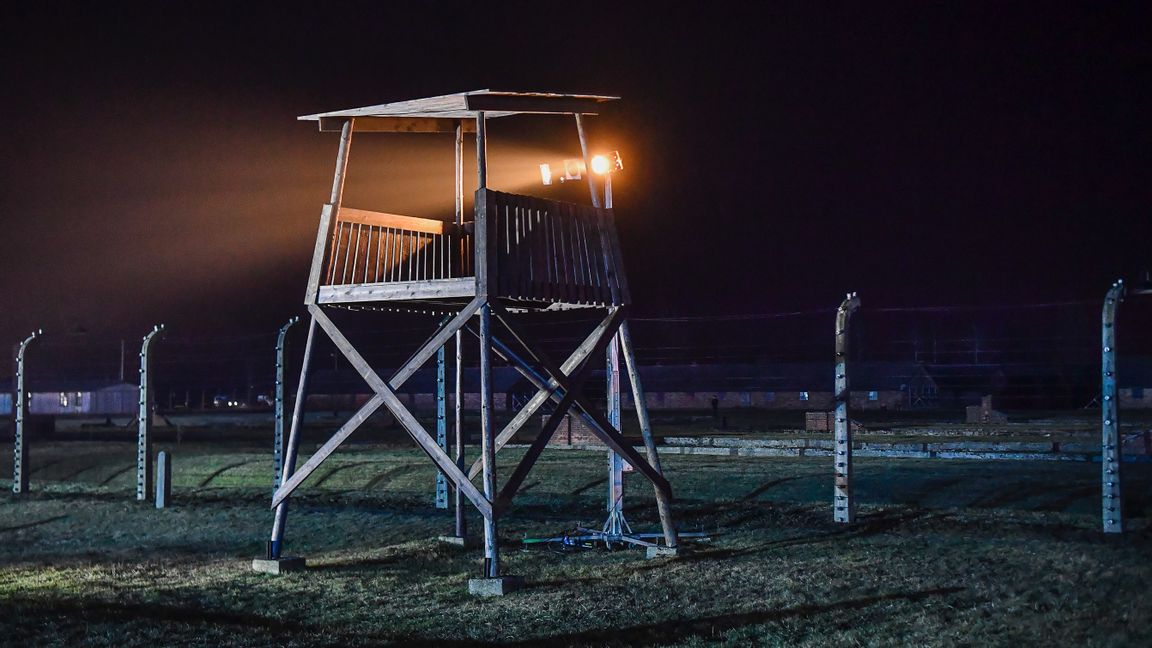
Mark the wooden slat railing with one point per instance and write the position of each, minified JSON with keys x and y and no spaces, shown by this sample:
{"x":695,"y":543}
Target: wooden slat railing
{"x":554,"y":251}
{"x":375,"y":247}
{"x":543,"y":250}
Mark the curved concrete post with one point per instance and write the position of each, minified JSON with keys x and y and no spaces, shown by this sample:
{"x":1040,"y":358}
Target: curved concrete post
{"x":1112,"y":512}
{"x":843,"y":503}
{"x":278,"y":404}
{"x":442,"y":422}
{"x":144,"y":474}
{"x":20,"y":467}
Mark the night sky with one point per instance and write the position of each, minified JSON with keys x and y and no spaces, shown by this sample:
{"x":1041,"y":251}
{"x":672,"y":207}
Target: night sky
{"x":776,"y":155}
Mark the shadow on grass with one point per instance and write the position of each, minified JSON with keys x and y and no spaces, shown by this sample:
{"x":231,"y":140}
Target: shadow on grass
{"x":387,"y":475}
{"x":103,"y":612}
{"x":675,"y":631}
{"x":589,"y":485}
{"x":33,"y":524}
{"x":204,"y":483}
{"x":930,"y":487}
{"x":765,"y":487}
{"x":116,"y":474}
{"x":76,"y":473}
{"x":872,"y":524}
{"x":323,"y":479}
{"x":671,"y":631}
{"x":359,"y":564}
{"x":47,"y":464}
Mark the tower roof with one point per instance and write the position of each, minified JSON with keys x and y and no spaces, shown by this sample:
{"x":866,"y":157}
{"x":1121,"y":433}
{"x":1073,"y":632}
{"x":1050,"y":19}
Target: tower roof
{"x":465,"y":105}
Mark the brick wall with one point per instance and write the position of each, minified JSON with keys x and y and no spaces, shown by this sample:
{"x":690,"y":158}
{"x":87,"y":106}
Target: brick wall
{"x":572,"y":431}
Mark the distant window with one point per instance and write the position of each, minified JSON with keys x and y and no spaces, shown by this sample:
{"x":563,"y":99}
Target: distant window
{"x":63,"y":399}
{"x":770,"y":396}
{"x":803,"y":396}
{"x":1137,"y":392}
{"x":872,"y":396}
{"x":745,"y":399}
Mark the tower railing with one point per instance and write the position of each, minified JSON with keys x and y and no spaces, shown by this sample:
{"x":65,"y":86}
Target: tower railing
{"x":540,"y":251}
{"x":554,"y":251}
{"x":374,"y":247}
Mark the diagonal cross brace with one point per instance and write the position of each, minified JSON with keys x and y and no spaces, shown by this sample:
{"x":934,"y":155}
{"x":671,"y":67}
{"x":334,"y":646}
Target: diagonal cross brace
{"x":546,"y":433}
{"x":529,"y":459}
{"x":578,"y":379}
{"x":577,"y":359}
{"x":595,"y":420}
{"x":386,"y":395}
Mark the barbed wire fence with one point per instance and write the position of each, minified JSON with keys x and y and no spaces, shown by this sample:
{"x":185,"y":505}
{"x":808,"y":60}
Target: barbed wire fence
{"x":1031,"y":356}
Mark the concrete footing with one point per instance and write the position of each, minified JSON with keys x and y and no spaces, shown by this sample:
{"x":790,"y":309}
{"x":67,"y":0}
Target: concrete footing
{"x":277,"y":565}
{"x":661,"y":552}
{"x":466,"y":542}
{"x":498,"y":586}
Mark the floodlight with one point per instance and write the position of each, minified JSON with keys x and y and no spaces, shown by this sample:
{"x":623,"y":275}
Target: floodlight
{"x":605,"y":163}
{"x":573,"y":169}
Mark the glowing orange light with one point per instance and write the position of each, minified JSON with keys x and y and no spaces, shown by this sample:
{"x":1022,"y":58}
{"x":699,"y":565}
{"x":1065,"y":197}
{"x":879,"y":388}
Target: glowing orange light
{"x":600,"y":164}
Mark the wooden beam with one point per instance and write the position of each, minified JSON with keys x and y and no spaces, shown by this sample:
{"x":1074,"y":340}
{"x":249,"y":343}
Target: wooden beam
{"x":346,"y":430}
{"x":534,"y":104}
{"x":397,"y":221}
{"x":529,"y":459}
{"x":396,"y":125}
{"x":462,"y":287}
{"x":430,"y":347}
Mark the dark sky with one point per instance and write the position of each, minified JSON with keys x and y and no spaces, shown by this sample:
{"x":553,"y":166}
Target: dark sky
{"x":777,"y":155}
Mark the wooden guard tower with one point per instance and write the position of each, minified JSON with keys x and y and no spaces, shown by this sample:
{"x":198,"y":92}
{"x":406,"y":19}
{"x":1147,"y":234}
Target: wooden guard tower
{"x":513,"y":254}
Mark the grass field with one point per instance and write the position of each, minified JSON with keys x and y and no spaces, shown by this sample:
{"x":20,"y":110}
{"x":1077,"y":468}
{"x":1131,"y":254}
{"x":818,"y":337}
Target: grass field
{"x":944,"y":553}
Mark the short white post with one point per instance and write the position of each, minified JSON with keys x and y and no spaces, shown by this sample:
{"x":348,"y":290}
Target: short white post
{"x":163,"y":479}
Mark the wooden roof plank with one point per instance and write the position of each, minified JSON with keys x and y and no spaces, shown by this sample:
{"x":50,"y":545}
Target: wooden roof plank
{"x":465,"y":105}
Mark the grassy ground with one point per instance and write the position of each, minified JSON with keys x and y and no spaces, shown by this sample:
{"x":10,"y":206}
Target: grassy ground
{"x":943,"y":553}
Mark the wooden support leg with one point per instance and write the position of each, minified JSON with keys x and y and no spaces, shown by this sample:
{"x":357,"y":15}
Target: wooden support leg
{"x":275,"y":543}
{"x":615,"y":502}
{"x":663,"y":503}
{"x":488,"y":443}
